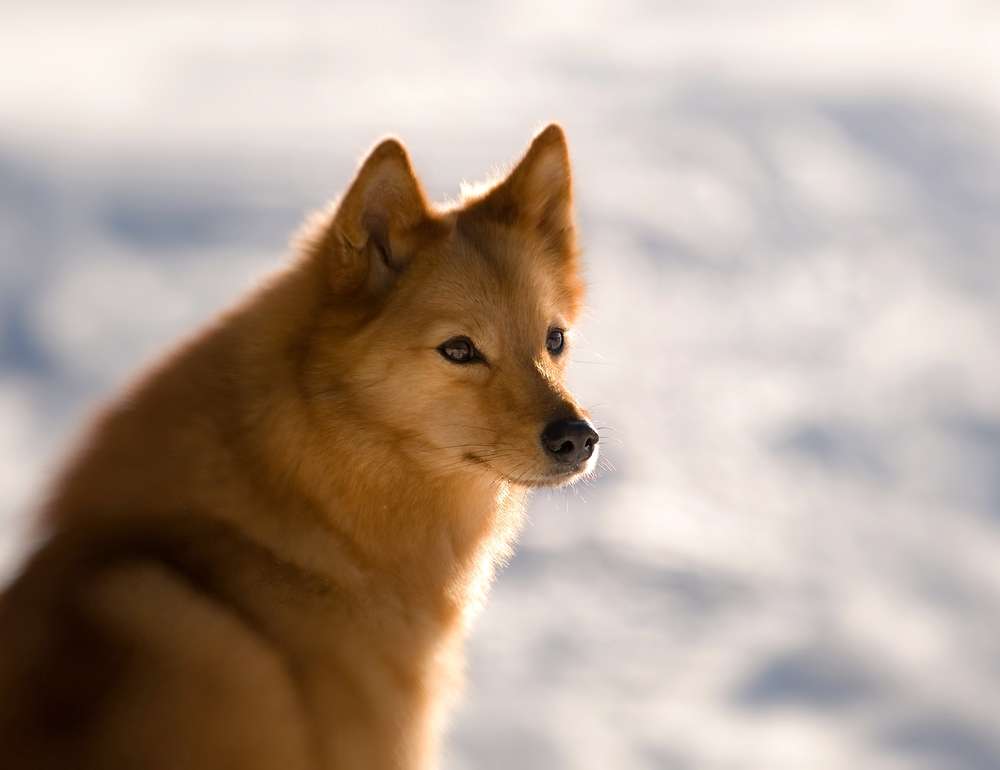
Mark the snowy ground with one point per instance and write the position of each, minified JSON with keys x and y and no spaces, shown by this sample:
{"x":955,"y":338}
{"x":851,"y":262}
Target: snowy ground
{"x":791,"y":212}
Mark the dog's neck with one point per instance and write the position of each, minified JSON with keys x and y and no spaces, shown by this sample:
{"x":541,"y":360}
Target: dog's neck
{"x":298,"y":483}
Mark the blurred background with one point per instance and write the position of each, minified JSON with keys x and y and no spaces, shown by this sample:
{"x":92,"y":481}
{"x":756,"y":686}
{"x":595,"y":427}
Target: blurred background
{"x":791,"y":216}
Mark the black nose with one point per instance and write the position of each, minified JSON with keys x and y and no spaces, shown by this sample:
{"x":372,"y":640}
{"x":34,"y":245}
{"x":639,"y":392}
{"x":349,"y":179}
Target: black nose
{"x":569,"y":441}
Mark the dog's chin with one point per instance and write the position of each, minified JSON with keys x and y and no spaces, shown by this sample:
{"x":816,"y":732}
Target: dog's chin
{"x":558,"y":476}
{"x":562,"y":477}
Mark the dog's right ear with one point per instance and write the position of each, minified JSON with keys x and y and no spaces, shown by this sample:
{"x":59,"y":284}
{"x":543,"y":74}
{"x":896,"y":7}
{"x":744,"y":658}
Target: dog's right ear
{"x":371,"y":236}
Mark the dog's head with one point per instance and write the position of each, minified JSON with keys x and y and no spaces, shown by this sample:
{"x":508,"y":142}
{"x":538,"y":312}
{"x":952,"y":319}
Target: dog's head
{"x":450,"y":328}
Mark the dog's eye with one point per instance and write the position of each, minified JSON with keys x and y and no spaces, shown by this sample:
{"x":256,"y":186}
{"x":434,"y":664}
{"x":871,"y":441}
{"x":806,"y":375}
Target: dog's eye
{"x":460,"y":350}
{"x":556,"y":341}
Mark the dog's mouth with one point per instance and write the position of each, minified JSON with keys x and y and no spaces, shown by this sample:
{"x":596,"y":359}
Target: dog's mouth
{"x":556,"y":477}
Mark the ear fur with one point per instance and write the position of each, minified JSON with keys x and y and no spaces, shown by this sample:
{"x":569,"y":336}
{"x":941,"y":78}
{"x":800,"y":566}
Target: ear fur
{"x":370,"y":239}
{"x":538,"y":192}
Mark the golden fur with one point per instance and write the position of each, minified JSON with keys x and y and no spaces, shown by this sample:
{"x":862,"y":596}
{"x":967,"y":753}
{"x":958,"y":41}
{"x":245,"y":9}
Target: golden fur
{"x":266,"y":553}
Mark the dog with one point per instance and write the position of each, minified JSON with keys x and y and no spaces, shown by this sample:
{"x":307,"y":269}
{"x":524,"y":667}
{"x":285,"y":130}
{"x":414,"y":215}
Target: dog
{"x":267,"y":551}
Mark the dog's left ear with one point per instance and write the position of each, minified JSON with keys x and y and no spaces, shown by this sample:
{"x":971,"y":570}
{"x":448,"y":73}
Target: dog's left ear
{"x":375,"y":227}
{"x":538,"y":193}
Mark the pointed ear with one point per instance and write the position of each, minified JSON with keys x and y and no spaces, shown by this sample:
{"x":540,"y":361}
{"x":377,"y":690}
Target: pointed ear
{"x":371,"y":237}
{"x":538,"y":193}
